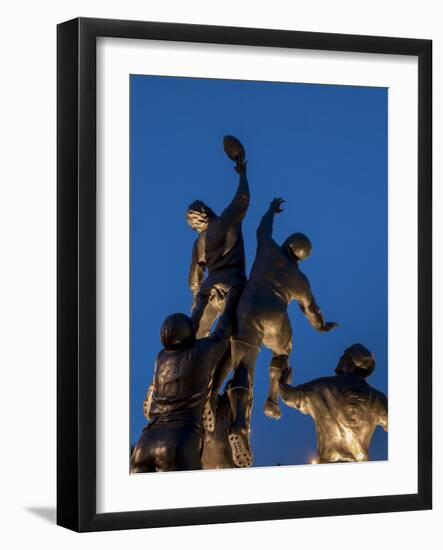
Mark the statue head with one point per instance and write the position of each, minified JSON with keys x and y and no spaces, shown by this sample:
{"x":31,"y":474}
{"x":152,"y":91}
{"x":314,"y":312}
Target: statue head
{"x":198,"y":216}
{"x":298,"y":246}
{"x":177,"y":331}
{"x":357,"y":360}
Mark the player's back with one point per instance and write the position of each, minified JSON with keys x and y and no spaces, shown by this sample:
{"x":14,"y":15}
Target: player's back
{"x":346,"y":410}
{"x":181,"y":382}
{"x":274,"y":275}
{"x":224,"y":245}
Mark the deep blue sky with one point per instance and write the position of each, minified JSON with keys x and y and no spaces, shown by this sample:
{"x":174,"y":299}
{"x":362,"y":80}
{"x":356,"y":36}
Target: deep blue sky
{"x":324,"y":150}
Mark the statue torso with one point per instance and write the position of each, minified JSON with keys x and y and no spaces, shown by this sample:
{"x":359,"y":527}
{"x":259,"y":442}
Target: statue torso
{"x":346,"y":414}
{"x":224,"y":254}
{"x":181,"y":384}
{"x":274,"y":276}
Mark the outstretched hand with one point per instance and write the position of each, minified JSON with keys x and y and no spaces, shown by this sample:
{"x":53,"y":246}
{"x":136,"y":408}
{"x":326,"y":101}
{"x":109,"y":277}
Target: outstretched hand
{"x":275,"y":205}
{"x":328,"y":327}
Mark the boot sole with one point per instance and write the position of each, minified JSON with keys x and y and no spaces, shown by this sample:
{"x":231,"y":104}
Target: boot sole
{"x":241,"y":456}
{"x":208,"y":418}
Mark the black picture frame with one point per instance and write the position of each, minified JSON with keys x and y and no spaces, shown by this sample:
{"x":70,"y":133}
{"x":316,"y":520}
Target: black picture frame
{"x":76,"y":266}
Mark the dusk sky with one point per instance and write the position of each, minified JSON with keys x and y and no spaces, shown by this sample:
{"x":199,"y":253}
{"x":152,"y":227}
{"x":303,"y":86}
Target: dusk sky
{"x":324,"y":150}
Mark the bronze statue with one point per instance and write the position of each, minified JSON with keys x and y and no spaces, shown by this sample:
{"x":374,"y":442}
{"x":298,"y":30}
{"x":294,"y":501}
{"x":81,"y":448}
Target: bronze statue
{"x":182,"y":379}
{"x":217,"y":453}
{"x":218,"y":249}
{"x":217,"y":447}
{"x":345,"y":408}
{"x":190,"y":426}
{"x":262,"y":318}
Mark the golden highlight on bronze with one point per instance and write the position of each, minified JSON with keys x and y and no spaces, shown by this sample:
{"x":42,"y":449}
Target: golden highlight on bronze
{"x":195,"y":420}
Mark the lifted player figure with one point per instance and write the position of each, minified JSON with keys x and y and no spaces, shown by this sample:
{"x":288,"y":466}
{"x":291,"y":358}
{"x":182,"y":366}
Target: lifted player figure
{"x":219,"y":252}
{"x":262,"y":318}
{"x":218,"y":249}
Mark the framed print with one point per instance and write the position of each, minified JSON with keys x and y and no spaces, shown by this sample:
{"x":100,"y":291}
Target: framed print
{"x":244,"y":274}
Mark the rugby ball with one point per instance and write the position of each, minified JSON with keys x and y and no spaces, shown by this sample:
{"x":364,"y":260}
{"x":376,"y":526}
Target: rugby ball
{"x":233,"y":148}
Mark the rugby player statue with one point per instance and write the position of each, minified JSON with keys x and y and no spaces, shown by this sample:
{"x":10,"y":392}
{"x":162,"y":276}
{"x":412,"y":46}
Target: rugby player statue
{"x":345,"y":408}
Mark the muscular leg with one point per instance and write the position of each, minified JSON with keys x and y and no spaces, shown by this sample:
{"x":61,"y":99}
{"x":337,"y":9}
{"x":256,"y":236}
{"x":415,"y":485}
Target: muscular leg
{"x":223,"y":367}
{"x":240,"y":396}
{"x":278,"y":365}
{"x":217,"y":451}
{"x":245,"y":347}
{"x":278,"y":337}
{"x":222,"y":370}
{"x":203,"y":315}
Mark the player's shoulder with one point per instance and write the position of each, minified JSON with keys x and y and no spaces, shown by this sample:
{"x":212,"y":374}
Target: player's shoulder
{"x":378,"y":395}
{"x":325,"y":381}
{"x":271,"y":248}
{"x":302,"y":281}
{"x":318,"y":383}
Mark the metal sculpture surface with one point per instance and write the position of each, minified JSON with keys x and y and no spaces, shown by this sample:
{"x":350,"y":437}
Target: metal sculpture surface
{"x":182,"y":379}
{"x":262,"y":318}
{"x":345,"y":408}
{"x":190,"y":425}
{"x":219,"y":253}
{"x":218,"y":249}
{"x":217,"y":452}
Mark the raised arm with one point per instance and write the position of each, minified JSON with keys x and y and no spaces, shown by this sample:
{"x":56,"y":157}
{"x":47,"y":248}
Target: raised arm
{"x":264,"y":230}
{"x":310,"y":309}
{"x":197,"y":269}
{"x":237,"y":208}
